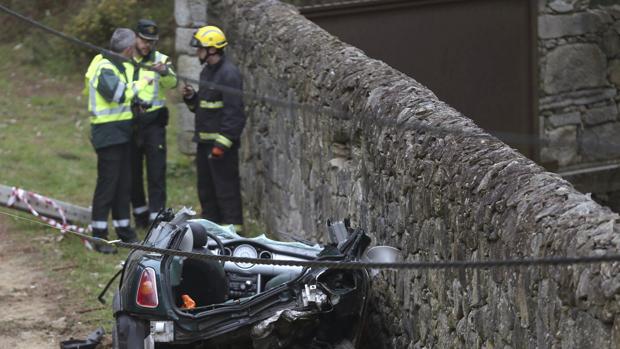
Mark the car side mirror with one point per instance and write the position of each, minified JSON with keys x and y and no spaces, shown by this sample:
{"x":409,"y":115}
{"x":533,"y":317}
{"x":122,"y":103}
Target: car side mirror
{"x":382,"y":254}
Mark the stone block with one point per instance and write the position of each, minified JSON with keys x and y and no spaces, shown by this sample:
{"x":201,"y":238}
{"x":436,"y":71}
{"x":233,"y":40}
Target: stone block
{"x":189,"y":68}
{"x":611,"y":43}
{"x":572,"y":118}
{"x":185,"y":144}
{"x":181,"y":42}
{"x":185,"y":119}
{"x":557,"y":26}
{"x":600,"y":115}
{"x":600,"y":142}
{"x":614,"y":72}
{"x":584,"y":332}
{"x":574,"y":67}
{"x":562,"y":6}
{"x":614,"y":11}
{"x":190,"y":13}
{"x":562,"y":147}
{"x":577,"y":98}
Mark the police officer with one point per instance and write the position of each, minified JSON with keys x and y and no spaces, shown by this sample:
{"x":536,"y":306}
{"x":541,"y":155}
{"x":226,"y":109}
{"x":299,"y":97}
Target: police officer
{"x":110,"y":94}
{"x":219,"y":122}
{"x":149,"y":141}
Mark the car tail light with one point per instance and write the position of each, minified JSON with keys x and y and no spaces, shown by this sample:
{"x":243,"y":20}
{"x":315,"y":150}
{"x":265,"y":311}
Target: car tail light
{"x":147,"y":289}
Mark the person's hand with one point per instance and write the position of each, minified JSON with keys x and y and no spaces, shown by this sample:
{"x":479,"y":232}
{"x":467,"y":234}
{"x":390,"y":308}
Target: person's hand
{"x":159,"y":67}
{"x":188,"y":91}
{"x":217,"y":152}
{"x":148,"y":80}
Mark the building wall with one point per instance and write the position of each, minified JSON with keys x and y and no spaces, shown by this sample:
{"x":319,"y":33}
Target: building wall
{"x":579,"y":47}
{"x":350,"y":136}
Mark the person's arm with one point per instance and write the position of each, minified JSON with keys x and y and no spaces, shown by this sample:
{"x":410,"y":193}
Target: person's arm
{"x":168,"y":76}
{"x":233,"y":116}
{"x":190,"y":97}
{"x":110,"y":86}
{"x":113,"y":89}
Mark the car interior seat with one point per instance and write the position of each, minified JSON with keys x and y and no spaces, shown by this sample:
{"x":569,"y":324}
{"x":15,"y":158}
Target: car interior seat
{"x":203,"y":280}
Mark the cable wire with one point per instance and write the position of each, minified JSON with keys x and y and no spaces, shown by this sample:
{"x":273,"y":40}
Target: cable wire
{"x":419,"y":126}
{"x":356,"y":265}
{"x":412,"y":124}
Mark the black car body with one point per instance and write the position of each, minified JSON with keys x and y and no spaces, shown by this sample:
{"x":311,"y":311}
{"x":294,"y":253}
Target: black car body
{"x":240,"y":305}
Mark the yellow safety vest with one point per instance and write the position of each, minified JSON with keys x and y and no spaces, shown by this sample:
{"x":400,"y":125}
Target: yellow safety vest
{"x":100,"y":109}
{"x":154,"y":93}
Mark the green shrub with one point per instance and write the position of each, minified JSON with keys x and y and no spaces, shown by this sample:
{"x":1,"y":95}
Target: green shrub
{"x":97,"y":20}
{"x":91,"y":21}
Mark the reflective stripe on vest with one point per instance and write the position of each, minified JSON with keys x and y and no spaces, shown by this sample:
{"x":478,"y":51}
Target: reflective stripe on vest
{"x":101,"y":110}
{"x":211,"y":105}
{"x":152,"y":93}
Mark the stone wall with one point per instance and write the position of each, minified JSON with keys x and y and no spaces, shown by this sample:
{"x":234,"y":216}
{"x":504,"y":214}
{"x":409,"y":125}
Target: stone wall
{"x":579,"y":47}
{"x":189,"y":15}
{"x":353,"y":137}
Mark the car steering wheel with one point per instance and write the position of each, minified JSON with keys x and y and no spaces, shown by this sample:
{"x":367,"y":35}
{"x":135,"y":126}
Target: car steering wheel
{"x":219,"y":243}
{"x":201,"y":237}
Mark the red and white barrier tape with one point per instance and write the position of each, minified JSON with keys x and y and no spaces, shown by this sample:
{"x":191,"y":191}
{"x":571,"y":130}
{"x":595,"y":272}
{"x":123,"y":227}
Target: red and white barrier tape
{"x":18,"y":194}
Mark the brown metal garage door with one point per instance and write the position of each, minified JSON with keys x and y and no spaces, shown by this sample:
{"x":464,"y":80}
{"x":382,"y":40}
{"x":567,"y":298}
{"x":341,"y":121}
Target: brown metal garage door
{"x":477,"y":55}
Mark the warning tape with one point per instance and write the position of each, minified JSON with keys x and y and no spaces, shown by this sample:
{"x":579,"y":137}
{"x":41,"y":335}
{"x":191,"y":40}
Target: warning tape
{"x":21,"y":195}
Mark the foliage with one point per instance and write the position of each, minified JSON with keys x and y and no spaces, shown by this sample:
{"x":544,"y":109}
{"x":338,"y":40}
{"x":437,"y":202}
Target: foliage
{"x":98,"y":19}
{"x":91,"y":21}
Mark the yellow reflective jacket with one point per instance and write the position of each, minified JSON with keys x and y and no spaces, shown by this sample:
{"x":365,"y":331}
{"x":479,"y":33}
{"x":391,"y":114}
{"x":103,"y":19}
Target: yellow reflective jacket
{"x":109,"y":100}
{"x":154,"y":93}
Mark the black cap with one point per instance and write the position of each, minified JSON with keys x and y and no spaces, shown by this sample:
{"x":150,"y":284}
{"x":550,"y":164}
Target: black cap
{"x":147,"y":29}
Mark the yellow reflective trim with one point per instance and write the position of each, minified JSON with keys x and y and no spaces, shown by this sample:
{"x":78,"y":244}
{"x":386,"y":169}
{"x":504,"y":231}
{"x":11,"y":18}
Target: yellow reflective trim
{"x":206,"y":136}
{"x":110,"y":118}
{"x":211,"y":105}
{"x":223,"y":141}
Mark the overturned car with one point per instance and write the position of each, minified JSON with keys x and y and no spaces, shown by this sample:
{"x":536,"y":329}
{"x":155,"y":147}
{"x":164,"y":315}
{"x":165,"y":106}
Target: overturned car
{"x":179,"y":302}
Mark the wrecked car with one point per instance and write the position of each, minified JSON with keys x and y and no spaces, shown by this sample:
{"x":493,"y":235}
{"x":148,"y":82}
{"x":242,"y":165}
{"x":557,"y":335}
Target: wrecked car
{"x":171,"y":301}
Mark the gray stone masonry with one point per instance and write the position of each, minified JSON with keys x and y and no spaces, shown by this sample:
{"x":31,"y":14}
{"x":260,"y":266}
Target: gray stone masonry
{"x":189,"y":15}
{"x":579,"y":49}
{"x":375,"y":144}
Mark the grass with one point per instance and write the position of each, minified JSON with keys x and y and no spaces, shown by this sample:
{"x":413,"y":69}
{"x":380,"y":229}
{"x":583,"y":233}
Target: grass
{"x":45,"y":148}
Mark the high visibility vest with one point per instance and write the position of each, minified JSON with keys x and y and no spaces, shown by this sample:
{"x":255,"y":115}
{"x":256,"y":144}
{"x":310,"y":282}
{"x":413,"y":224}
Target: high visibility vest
{"x":154,"y":93}
{"x":100,"y":109}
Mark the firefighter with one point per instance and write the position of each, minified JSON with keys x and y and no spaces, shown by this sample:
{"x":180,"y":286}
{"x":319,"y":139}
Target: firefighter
{"x":219,"y":122}
{"x":110,"y":94}
{"x":149,"y":141}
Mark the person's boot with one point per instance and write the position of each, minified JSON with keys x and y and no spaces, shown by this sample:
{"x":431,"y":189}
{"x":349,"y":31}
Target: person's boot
{"x":142,"y":219}
{"x":101,"y":246}
{"x":126,"y":234}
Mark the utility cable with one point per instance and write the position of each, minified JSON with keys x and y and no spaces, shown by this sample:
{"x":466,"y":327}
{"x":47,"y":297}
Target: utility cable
{"x":411,"y":123}
{"x":419,"y":126}
{"x":355,"y":265}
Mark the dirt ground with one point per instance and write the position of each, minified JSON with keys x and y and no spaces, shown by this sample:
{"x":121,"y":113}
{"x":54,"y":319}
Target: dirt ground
{"x":34,"y":305}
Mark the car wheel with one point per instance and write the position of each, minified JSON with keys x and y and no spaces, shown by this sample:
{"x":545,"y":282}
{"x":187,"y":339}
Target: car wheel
{"x":129,"y":333}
